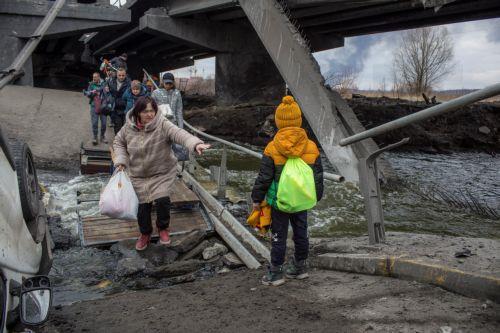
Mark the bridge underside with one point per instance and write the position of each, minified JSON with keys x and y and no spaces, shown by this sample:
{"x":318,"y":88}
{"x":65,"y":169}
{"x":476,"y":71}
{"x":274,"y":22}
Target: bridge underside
{"x":169,"y":34}
{"x":60,"y":51}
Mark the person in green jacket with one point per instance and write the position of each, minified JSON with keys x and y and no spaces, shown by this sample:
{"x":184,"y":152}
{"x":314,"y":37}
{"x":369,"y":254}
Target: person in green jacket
{"x":93,"y":91}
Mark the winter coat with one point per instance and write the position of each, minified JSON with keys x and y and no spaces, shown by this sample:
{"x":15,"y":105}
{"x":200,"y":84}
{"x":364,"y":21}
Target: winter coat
{"x":173,"y":98}
{"x":130,"y":98}
{"x":93,"y":89}
{"x":120,"y":104}
{"x":288,"y":142}
{"x":148,"y":156}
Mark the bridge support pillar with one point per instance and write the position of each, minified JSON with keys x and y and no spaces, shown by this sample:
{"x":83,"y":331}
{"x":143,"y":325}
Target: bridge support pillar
{"x":10,"y":47}
{"x":247,"y":76}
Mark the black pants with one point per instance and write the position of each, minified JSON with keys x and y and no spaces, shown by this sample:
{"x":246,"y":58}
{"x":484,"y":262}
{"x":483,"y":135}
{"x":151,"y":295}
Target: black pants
{"x":279,"y":230}
{"x":118,"y":120}
{"x":162,"y":213}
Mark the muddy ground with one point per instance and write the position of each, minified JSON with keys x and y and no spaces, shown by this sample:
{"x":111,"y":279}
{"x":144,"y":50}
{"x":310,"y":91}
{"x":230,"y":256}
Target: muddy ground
{"x":237,"y":302}
{"x":475,"y":127}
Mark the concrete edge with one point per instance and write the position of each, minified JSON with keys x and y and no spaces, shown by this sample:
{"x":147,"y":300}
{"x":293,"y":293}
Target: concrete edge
{"x":460,"y":282}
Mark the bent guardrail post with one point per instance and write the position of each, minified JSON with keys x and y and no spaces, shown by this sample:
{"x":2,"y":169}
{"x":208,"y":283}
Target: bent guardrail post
{"x":15,"y":70}
{"x":433,"y":111}
{"x":370,"y":188}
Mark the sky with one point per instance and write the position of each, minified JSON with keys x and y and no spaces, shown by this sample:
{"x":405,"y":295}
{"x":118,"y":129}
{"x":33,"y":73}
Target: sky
{"x":477,"y":57}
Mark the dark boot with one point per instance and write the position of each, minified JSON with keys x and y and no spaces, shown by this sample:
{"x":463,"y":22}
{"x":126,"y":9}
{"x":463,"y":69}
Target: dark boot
{"x":94,"y":141}
{"x":297,"y":269}
{"x":274,"y":276}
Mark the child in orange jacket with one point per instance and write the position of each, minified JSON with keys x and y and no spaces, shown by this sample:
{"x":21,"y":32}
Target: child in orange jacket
{"x":290,"y":141}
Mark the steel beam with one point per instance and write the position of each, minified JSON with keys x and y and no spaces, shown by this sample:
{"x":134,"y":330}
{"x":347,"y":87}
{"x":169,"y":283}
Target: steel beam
{"x":328,"y":114}
{"x":189,"y":7}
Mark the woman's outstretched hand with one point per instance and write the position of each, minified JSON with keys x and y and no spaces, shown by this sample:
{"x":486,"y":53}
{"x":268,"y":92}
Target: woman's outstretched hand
{"x":201,"y":147}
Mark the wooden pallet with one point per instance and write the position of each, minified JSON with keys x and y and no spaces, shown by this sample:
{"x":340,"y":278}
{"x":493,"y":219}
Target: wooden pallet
{"x":102,"y":230}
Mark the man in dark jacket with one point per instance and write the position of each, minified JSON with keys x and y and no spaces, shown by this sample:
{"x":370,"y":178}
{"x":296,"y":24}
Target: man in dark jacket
{"x":118,"y":86}
{"x":291,"y":141}
{"x":119,"y":62}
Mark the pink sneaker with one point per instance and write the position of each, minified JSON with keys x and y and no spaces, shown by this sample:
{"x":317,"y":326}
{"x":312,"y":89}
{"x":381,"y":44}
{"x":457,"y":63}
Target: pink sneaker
{"x":164,"y":237}
{"x":143,"y":242}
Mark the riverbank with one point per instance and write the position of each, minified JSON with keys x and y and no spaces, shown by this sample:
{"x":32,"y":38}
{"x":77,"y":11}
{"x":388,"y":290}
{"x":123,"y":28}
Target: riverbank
{"x":237,"y":302}
{"x":472,"y":128}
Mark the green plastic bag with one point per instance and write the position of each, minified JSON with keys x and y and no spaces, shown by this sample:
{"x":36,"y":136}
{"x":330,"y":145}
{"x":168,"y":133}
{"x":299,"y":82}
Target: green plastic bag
{"x":296,"y":188}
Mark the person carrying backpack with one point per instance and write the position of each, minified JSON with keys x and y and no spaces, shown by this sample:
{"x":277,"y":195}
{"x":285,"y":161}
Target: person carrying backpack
{"x":291,"y":181}
{"x":93,"y":92}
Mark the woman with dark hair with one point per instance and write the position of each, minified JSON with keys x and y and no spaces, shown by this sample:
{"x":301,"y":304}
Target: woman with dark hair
{"x":144,"y":148}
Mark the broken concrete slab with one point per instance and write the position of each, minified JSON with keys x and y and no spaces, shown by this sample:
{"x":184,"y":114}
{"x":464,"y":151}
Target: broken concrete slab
{"x":175,"y":269}
{"x":214,"y":250}
{"x":188,"y":241}
{"x":232,"y":261}
{"x":196,"y":251}
{"x":159,"y":254}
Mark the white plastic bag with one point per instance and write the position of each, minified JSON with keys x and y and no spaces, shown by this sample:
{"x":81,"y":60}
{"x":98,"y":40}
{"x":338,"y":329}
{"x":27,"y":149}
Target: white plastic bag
{"x":166,"y":111}
{"x":118,"y":200}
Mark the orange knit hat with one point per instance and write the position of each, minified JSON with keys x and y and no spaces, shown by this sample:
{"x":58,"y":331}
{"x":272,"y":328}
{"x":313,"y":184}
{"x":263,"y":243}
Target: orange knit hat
{"x":288,"y":113}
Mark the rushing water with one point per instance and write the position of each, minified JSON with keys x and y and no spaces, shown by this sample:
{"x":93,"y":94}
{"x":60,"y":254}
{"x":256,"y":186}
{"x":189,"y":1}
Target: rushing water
{"x":86,"y":273}
{"x":341,"y":211}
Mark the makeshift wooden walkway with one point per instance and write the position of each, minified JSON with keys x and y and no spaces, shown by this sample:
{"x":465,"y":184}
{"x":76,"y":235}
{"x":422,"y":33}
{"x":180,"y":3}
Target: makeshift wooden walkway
{"x":186,"y":215}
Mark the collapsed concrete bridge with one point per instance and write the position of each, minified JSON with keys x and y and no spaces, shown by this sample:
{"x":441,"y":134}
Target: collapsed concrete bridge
{"x":259,"y":46}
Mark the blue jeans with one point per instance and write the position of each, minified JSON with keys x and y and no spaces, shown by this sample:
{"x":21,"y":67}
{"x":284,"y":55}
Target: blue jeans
{"x":94,"y":117}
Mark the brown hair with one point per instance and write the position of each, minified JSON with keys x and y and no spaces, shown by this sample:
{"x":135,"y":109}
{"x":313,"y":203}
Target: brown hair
{"x":135,"y":84}
{"x":141,"y":104}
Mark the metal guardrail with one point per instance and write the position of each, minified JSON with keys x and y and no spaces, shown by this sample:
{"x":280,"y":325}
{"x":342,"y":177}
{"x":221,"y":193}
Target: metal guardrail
{"x":433,"y":111}
{"x":368,"y":171}
{"x":326,"y":175}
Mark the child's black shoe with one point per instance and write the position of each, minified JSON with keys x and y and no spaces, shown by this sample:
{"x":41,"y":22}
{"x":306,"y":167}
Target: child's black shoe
{"x":297,"y":269}
{"x":274,"y":276}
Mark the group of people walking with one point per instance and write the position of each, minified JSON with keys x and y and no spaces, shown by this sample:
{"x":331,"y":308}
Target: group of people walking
{"x":144,"y":147}
{"x":117,"y":94}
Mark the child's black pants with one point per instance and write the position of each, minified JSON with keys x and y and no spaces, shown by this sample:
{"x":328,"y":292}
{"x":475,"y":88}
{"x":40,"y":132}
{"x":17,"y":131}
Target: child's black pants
{"x":279,"y":230}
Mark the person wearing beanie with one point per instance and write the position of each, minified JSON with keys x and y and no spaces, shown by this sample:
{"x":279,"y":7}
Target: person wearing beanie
{"x":170,"y":95}
{"x":290,"y":141}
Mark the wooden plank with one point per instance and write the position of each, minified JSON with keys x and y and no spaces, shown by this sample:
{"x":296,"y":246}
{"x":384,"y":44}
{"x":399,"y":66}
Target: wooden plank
{"x":102,"y":230}
{"x":192,"y":222}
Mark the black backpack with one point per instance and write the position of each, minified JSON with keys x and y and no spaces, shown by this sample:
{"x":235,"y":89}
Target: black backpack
{"x":107,"y":103}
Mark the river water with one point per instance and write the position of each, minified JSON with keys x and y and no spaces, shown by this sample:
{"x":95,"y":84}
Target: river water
{"x":341,"y":211}
{"x":89,"y":273}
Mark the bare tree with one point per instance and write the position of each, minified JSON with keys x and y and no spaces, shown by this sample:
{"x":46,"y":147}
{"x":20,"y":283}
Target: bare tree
{"x":343,"y":79}
{"x":423,"y":58}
